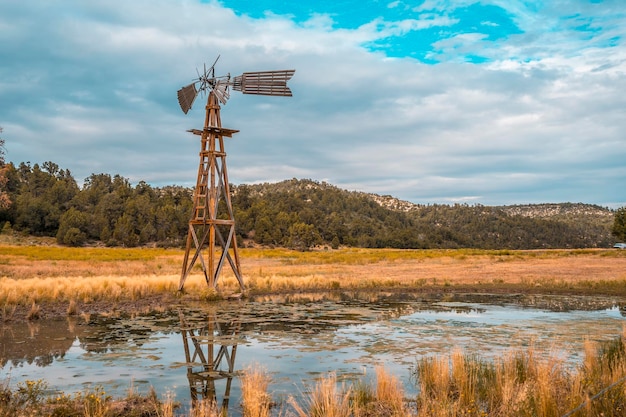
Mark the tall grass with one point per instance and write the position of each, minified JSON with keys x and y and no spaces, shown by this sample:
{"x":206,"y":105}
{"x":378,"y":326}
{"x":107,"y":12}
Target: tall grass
{"x":518,"y":384}
{"x":326,"y":399}
{"x":83,"y":289}
{"x":256,"y":401}
{"x":521,"y":384}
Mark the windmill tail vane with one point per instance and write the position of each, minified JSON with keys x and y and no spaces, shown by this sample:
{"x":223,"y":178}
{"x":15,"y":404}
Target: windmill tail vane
{"x":186,"y":97}
{"x":265,"y":83}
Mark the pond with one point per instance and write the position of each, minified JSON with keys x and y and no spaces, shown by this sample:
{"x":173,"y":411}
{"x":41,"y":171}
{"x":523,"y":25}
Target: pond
{"x":193,"y":351}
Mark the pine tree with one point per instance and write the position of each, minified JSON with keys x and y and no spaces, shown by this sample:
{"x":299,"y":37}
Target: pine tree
{"x":4,"y":197}
{"x":619,"y":224}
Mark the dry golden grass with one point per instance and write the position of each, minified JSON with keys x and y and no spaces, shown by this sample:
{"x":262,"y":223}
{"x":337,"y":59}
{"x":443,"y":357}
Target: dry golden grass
{"x":60,"y":274}
{"x":518,"y":384}
{"x":84,"y":289}
{"x":521,"y":384}
{"x":389,"y":394}
{"x":325,"y":400}
{"x":206,"y":408}
{"x":34,"y":312}
{"x":256,"y":401}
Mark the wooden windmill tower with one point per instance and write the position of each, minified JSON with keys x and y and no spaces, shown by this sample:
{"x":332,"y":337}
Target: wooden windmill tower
{"x":212,"y":223}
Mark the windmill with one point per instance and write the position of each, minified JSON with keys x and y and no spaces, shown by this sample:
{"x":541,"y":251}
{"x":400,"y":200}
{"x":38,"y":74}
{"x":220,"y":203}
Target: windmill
{"x":212,"y":223}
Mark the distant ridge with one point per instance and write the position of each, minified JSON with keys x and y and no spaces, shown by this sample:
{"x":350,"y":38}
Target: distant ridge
{"x":557,"y":210}
{"x":357,"y":218}
{"x":541,"y":210}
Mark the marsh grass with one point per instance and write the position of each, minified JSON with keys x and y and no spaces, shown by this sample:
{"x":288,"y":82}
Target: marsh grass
{"x":34,"y":313}
{"x":388,"y":396}
{"x":326,"y":399}
{"x":255,"y":401}
{"x":7,"y":312}
{"x":83,"y":289}
{"x":72,"y":308}
{"x":48,"y":274}
{"x":521,"y":384}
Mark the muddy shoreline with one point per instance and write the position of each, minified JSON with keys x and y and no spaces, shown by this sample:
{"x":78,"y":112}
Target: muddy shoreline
{"x":167,"y":302}
{"x":49,"y":288}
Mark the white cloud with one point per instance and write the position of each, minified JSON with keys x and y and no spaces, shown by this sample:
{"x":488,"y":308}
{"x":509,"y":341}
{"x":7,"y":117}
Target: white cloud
{"x":92,"y":87}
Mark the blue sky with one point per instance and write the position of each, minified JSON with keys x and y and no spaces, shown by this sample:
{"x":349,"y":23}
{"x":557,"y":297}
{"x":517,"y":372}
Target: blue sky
{"x":480,"y":102}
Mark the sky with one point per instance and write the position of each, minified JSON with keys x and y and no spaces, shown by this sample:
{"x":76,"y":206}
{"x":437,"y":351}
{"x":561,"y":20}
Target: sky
{"x":492,"y":102}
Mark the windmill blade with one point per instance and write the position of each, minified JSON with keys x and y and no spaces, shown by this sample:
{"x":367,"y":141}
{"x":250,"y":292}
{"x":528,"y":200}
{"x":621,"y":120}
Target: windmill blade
{"x":212,"y":69}
{"x":265,"y":83}
{"x":221,"y":91}
{"x":186,"y":97}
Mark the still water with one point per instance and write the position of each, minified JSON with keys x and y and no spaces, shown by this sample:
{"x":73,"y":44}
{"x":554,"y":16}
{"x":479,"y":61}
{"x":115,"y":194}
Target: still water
{"x":196,"y":350}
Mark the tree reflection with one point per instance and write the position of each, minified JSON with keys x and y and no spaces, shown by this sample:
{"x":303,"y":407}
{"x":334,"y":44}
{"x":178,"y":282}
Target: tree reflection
{"x":210,"y":351}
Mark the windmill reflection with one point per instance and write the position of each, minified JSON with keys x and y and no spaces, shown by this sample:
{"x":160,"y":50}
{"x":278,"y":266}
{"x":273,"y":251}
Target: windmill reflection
{"x":210,"y":351}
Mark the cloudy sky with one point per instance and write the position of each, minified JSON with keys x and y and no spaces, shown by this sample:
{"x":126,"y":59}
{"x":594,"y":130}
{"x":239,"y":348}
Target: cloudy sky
{"x":433,"y":101}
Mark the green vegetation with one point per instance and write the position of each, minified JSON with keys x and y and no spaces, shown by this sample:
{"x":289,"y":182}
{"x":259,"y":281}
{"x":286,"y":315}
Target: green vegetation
{"x":619,"y":224}
{"x":297,"y":214}
{"x":34,"y":399}
{"x":56,"y":253}
{"x":4,"y":197}
{"x":48,"y":202}
{"x":370,"y":256}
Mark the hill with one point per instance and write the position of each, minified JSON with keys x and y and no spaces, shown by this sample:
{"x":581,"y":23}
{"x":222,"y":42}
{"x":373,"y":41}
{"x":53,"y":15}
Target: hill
{"x":268,"y":212}
{"x":293,"y":213}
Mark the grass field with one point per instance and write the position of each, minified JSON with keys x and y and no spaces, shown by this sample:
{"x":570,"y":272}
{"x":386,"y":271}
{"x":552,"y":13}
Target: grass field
{"x":32,"y":275}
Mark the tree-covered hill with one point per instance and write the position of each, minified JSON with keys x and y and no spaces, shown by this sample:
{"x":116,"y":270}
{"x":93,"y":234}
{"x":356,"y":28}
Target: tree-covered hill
{"x":369,"y":220}
{"x":47,"y":201}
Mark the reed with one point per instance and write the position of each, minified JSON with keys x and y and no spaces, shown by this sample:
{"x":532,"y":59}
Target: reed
{"x":521,"y":384}
{"x":206,"y":408}
{"x":167,"y":407}
{"x":7,"y":312}
{"x":325,"y":400}
{"x":389,"y":394}
{"x":256,"y":401}
{"x":34,"y":313}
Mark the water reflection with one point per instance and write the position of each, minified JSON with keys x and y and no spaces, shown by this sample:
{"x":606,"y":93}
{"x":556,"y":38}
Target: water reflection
{"x":298,"y":338}
{"x":35,"y":342}
{"x":210,"y":352}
